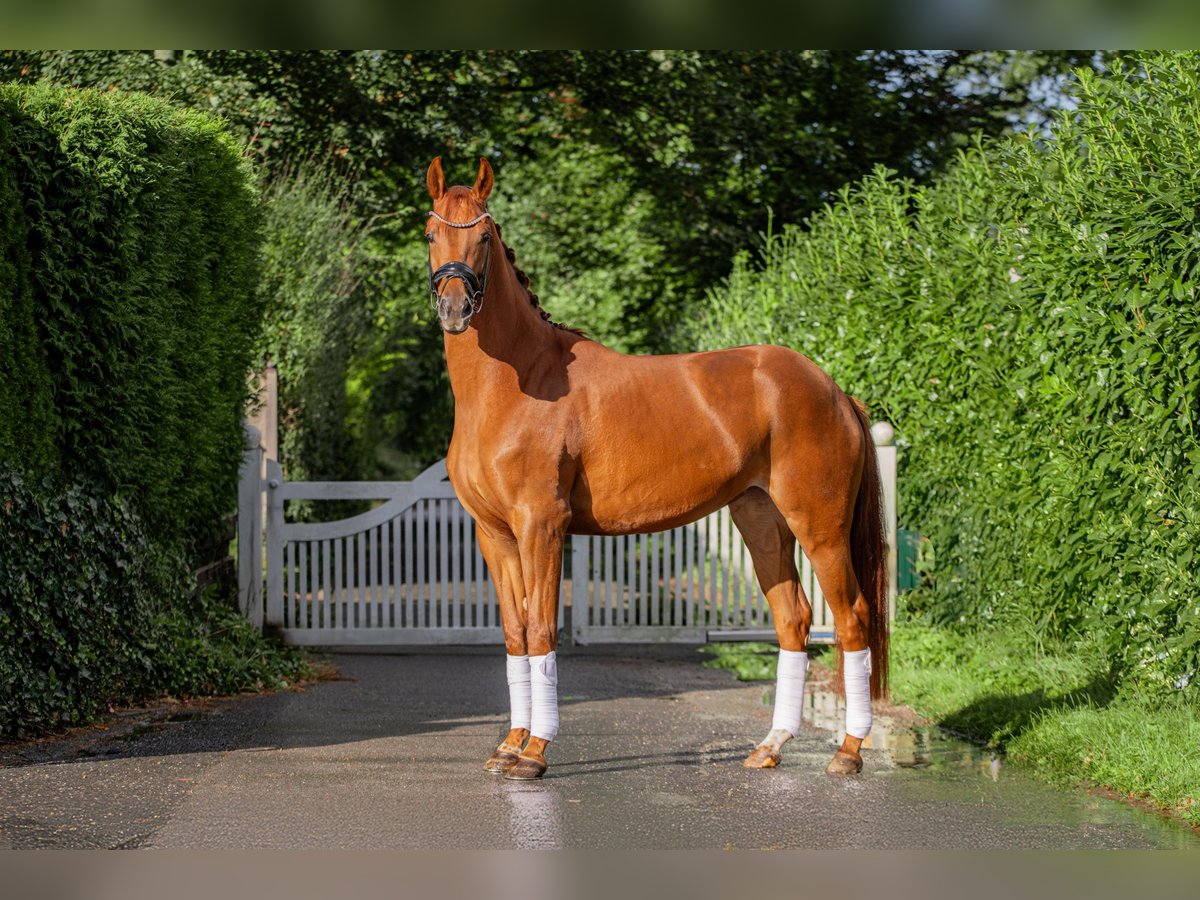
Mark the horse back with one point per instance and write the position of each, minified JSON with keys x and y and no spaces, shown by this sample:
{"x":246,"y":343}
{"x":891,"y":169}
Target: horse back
{"x":664,"y":440}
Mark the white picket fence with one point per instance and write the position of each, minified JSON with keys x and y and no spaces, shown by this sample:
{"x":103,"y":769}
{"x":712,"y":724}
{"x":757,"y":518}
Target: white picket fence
{"x":409,"y":570}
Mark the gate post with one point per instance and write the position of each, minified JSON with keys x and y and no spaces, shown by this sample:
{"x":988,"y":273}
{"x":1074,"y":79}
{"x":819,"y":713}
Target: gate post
{"x":274,"y":602}
{"x":249,"y":528}
{"x":885,"y":449}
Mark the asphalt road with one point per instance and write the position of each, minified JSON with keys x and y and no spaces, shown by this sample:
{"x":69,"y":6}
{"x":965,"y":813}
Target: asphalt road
{"x":649,"y":757}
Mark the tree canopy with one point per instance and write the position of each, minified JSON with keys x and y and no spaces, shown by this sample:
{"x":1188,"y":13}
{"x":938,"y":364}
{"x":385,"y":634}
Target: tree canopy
{"x":626,"y":181}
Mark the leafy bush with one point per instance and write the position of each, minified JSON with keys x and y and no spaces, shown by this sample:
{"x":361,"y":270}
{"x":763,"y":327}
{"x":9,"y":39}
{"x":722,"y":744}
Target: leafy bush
{"x":91,"y":613}
{"x":206,"y":646}
{"x":1029,"y":324}
{"x":128,"y":314}
{"x":311,"y":291}
{"x":128,"y":235}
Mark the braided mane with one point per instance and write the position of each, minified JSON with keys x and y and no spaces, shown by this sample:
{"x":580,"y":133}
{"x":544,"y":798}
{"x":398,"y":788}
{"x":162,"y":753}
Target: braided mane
{"x":523,"y":279}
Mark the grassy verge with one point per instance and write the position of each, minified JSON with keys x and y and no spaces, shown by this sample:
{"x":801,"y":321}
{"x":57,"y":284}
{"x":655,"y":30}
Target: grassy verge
{"x":1057,"y":713}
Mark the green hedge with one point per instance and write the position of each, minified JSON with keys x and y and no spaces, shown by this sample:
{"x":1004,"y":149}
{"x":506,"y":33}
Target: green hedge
{"x":95,"y":610}
{"x":1030,"y":325}
{"x":128,"y":273}
{"x":81,"y":582}
{"x":128,"y":244}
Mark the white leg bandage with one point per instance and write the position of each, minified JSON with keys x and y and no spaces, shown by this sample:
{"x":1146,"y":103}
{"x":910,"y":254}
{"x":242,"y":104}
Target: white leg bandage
{"x":519,"y":696}
{"x":857,"y":668}
{"x":543,"y":672}
{"x":789,"y":690}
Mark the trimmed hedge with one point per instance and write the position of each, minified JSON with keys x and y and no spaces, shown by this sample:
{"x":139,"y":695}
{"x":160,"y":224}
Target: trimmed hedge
{"x":1029,"y":323}
{"x":128,"y":273}
{"x":128,"y":234}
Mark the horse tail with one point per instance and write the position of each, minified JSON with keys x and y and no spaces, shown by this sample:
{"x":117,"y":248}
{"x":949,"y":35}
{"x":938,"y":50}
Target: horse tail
{"x":868,"y":556}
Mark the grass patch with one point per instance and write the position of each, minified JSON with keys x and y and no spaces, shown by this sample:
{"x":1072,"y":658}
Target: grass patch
{"x":1059,"y":713}
{"x":1149,"y":753}
{"x":755,"y":660}
{"x":748,"y":660}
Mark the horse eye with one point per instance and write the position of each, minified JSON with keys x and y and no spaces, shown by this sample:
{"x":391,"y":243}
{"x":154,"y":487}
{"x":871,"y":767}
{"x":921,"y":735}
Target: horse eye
{"x":429,"y":237}
{"x":487,"y":236}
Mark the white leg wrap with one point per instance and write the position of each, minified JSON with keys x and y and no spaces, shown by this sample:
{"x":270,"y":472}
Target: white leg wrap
{"x":519,"y":695}
{"x":857,"y":668}
{"x":543,"y":671}
{"x":789,"y":690}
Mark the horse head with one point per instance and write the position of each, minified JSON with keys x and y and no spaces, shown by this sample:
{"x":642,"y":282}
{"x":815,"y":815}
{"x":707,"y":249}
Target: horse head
{"x":460,"y":235}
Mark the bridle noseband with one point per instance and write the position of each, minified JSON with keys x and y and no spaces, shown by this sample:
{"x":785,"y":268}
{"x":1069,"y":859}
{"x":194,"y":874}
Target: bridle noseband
{"x":475,"y":284}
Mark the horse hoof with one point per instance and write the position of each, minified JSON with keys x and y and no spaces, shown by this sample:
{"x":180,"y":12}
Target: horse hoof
{"x":844,"y":764}
{"x":762,"y":758}
{"x":500,"y":762}
{"x":526,"y":769}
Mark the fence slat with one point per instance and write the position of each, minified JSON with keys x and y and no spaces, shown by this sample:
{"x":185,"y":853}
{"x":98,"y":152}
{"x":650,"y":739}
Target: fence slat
{"x":326,"y":582}
{"x":643,"y":579}
{"x":385,"y":574}
{"x":288,"y":562}
{"x":481,"y":609}
{"x":610,"y":579}
{"x":338,"y":584}
{"x":423,"y":526}
{"x":674,"y":574}
{"x":443,"y":561}
{"x":456,"y":558}
{"x":314,"y":571}
{"x":493,"y":603}
{"x":725,"y":560}
{"x":347,"y":582}
{"x":361,"y":618}
{"x":302,"y":580}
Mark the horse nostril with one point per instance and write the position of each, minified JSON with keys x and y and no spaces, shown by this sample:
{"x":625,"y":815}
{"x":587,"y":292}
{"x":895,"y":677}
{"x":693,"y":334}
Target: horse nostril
{"x":466,"y":310}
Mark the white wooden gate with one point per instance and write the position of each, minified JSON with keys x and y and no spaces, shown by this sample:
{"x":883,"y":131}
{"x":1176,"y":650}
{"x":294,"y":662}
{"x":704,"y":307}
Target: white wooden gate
{"x":409,"y":570}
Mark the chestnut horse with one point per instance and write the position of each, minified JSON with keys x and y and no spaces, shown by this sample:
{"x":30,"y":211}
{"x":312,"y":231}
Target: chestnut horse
{"x":555,"y":434}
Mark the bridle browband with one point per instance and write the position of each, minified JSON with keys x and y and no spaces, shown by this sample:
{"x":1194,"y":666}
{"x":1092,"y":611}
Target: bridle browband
{"x":458,"y":269}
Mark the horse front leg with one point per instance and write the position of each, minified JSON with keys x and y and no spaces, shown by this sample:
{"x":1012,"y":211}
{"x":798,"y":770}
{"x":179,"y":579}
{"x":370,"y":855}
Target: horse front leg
{"x":500,"y":552}
{"x":541,"y":546}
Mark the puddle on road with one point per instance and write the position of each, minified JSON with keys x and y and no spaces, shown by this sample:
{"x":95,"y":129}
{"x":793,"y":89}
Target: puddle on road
{"x":908,"y":746}
{"x":926,"y":747}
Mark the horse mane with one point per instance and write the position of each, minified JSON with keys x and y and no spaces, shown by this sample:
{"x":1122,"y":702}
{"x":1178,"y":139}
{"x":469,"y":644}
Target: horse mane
{"x":524,"y":282}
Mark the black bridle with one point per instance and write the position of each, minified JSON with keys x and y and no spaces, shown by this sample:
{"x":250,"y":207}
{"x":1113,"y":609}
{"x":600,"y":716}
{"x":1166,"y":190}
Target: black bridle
{"x":475,"y":284}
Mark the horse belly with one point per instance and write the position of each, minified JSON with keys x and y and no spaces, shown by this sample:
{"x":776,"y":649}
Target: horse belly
{"x":642,"y":488}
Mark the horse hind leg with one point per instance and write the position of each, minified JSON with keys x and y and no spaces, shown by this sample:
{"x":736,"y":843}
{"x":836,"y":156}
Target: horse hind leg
{"x":834,"y":569}
{"x":772,"y":547}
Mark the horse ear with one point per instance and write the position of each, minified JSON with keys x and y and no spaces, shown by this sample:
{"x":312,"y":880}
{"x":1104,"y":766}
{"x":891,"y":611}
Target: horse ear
{"x":435,"y":180}
{"x":483,"y":181}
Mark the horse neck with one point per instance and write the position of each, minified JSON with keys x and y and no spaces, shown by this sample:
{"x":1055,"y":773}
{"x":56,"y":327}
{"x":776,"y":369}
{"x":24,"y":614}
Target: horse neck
{"x":507,"y":330}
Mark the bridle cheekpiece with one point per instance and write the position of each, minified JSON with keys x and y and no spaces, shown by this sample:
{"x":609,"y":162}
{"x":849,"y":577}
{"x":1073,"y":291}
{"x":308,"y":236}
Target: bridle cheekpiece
{"x":475,"y":284}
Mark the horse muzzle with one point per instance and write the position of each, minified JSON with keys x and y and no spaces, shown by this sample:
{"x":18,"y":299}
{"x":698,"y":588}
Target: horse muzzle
{"x":454,"y":313}
{"x":456,"y":303}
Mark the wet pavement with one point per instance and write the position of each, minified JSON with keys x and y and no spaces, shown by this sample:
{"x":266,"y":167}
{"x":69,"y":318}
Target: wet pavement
{"x":649,"y":757}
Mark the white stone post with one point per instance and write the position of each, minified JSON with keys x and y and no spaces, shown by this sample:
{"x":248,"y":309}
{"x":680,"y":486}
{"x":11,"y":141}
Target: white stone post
{"x":885,"y":448}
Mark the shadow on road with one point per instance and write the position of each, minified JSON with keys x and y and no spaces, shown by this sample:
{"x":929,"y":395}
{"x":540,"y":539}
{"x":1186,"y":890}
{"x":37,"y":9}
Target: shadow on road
{"x":372,"y":696}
